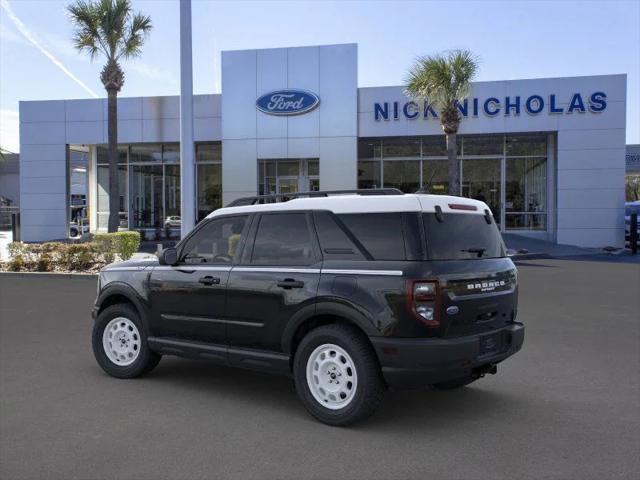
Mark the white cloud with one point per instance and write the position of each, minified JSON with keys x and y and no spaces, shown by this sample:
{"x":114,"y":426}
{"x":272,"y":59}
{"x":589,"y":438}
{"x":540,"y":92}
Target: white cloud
{"x":31,"y":37}
{"x":9,"y":130}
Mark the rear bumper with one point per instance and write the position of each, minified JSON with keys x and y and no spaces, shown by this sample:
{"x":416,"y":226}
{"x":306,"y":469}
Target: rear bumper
{"x":412,"y":362}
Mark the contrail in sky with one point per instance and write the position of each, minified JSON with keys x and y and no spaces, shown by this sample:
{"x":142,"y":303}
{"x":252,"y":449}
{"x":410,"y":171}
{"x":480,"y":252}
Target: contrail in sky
{"x":31,"y":38}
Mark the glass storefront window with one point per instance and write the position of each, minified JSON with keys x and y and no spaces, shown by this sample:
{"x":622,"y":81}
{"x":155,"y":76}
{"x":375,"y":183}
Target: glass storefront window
{"x":209,"y":188}
{"x":482,"y":145}
{"x":403,"y":175}
{"x":481,"y":180}
{"x":144,"y":153}
{"x":102,"y":152}
{"x":526,"y":193}
{"x":401,"y":147}
{"x":171,"y":190}
{"x":208,"y":152}
{"x":103,"y":195}
{"x":171,"y":153}
{"x":369,"y":149}
{"x":435,"y":176}
{"x":433,"y":146}
{"x":369,"y":175}
{"x":526,"y":145}
{"x":146,"y":196}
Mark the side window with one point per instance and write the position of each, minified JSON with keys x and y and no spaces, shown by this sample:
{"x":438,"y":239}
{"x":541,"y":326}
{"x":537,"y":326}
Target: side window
{"x":379,"y":233}
{"x":334,"y":240}
{"x":283,"y":239}
{"x":216,"y":243}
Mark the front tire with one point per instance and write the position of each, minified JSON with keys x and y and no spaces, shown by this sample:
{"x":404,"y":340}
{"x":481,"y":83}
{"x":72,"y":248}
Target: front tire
{"x":337,"y":375}
{"x":120,"y":343}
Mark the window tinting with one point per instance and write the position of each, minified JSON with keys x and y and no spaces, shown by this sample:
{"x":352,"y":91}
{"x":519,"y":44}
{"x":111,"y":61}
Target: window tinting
{"x":334,"y":241}
{"x":462,"y":236}
{"x":379,"y":233}
{"x":215,"y":243}
{"x":283,"y":239}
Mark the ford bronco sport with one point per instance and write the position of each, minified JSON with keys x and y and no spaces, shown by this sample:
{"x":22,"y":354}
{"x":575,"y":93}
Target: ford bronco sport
{"x":349,"y":293}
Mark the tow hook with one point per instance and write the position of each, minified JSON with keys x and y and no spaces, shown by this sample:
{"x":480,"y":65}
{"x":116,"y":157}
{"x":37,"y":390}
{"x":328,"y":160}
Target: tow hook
{"x":484,"y":370}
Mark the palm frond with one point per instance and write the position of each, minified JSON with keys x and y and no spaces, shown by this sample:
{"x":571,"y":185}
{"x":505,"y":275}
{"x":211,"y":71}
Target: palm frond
{"x":443,"y":79}
{"x":139,"y":28}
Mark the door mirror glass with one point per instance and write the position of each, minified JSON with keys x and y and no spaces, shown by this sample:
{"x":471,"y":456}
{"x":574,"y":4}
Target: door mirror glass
{"x":169,"y":256}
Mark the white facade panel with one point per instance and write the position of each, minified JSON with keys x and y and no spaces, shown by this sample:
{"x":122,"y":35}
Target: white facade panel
{"x":38,"y":185}
{"x":86,"y":110}
{"x":42,"y":133}
{"x":238,"y":102}
{"x":207,"y":106}
{"x":42,"y":153}
{"x":271,"y":75}
{"x":42,"y":111}
{"x":595,"y":237}
{"x":129,"y":131}
{"x":303,"y":148}
{"x":239,"y":169}
{"x":161,"y":130}
{"x":42,"y":169}
{"x":207,"y":129}
{"x":303,"y":73}
{"x":588,"y":159}
{"x":591,"y":198}
{"x":589,"y":179}
{"x":336,"y":172}
{"x":268,"y":148}
{"x":160,"y":107}
{"x":85,"y":132}
{"x":339,"y":90}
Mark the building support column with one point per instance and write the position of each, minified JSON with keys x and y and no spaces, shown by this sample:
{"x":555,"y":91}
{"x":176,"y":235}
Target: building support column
{"x":187,"y":148}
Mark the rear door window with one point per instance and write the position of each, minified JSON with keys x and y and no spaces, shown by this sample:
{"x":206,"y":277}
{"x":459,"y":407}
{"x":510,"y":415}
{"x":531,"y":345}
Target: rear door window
{"x":461,"y":236}
{"x":283,"y":239}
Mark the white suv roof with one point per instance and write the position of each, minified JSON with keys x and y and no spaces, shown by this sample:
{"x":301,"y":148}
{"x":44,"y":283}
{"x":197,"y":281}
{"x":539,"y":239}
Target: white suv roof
{"x":354,"y":203}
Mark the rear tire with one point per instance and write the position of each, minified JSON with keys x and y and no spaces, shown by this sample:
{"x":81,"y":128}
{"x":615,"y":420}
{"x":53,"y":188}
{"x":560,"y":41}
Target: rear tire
{"x":454,"y":384}
{"x":120,"y":343}
{"x":337,"y":375}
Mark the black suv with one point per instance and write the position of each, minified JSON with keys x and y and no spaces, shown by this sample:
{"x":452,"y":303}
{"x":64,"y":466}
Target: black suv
{"x":350,"y":294}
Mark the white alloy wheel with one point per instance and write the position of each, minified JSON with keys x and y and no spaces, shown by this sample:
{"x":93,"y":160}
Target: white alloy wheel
{"x":332,"y":376}
{"x":121,"y":341}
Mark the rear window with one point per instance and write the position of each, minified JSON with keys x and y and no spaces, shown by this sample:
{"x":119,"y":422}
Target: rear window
{"x":462,"y":236}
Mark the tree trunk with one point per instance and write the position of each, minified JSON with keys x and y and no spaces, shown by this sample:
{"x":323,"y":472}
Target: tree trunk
{"x":114,"y":191}
{"x":454,"y":164}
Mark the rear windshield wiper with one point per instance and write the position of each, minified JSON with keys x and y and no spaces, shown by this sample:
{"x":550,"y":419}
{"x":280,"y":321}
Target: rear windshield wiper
{"x":479,"y":251}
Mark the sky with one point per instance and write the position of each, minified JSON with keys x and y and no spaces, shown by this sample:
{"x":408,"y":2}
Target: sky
{"x":513,"y":40}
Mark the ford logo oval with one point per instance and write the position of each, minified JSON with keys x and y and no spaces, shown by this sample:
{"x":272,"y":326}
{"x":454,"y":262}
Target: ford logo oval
{"x":452,"y":310}
{"x":287,"y":102}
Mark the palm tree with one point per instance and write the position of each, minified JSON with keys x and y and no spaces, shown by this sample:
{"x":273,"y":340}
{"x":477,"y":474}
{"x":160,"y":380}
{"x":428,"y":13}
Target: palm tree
{"x":443,"y":81}
{"x":112,"y":29}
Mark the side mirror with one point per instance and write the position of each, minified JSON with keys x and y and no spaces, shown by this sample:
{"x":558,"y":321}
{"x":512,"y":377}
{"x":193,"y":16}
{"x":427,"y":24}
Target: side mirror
{"x":168,"y":256}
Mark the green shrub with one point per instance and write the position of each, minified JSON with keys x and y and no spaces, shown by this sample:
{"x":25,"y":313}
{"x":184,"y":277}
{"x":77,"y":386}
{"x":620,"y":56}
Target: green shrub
{"x":44,"y":263}
{"x":126,"y":244}
{"x":79,"y":256}
{"x":16,"y":263}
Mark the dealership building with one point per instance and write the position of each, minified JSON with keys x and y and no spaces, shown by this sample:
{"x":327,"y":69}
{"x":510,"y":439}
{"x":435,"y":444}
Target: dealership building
{"x":547,"y":155}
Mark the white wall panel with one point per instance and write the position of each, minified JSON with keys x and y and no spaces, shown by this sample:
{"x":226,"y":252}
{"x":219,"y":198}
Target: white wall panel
{"x":239,"y":99}
{"x":271,"y":148}
{"x":303,"y":73}
{"x":42,"y":111}
{"x":588,"y":159}
{"x":339,"y":90}
{"x":207,"y":129}
{"x":160,"y":107}
{"x":271,"y":75}
{"x":43,"y":133}
{"x":605,"y":178}
{"x":303,"y":148}
{"x":42,"y":153}
{"x":165,"y":130}
{"x":86,"y":110}
{"x":337,"y":169}
{"x":85,"y":133}
{"x":239,"y":169}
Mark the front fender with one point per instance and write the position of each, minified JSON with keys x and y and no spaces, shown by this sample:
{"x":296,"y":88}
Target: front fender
{"x":127,"y":291}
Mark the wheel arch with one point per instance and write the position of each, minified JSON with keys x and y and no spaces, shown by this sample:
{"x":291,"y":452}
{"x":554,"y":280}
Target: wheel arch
{"x":118,"y":293}
{"x":325,"y":313}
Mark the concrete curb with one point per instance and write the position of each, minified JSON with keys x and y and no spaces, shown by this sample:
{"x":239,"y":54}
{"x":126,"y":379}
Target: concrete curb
{"x":85,"y":276}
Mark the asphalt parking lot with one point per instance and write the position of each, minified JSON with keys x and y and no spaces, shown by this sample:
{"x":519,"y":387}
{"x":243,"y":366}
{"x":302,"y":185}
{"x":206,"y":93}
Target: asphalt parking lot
{"x":566,"y":407}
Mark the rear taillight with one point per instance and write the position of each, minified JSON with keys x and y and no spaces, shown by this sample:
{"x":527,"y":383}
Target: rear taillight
{"x":423,"y":301}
